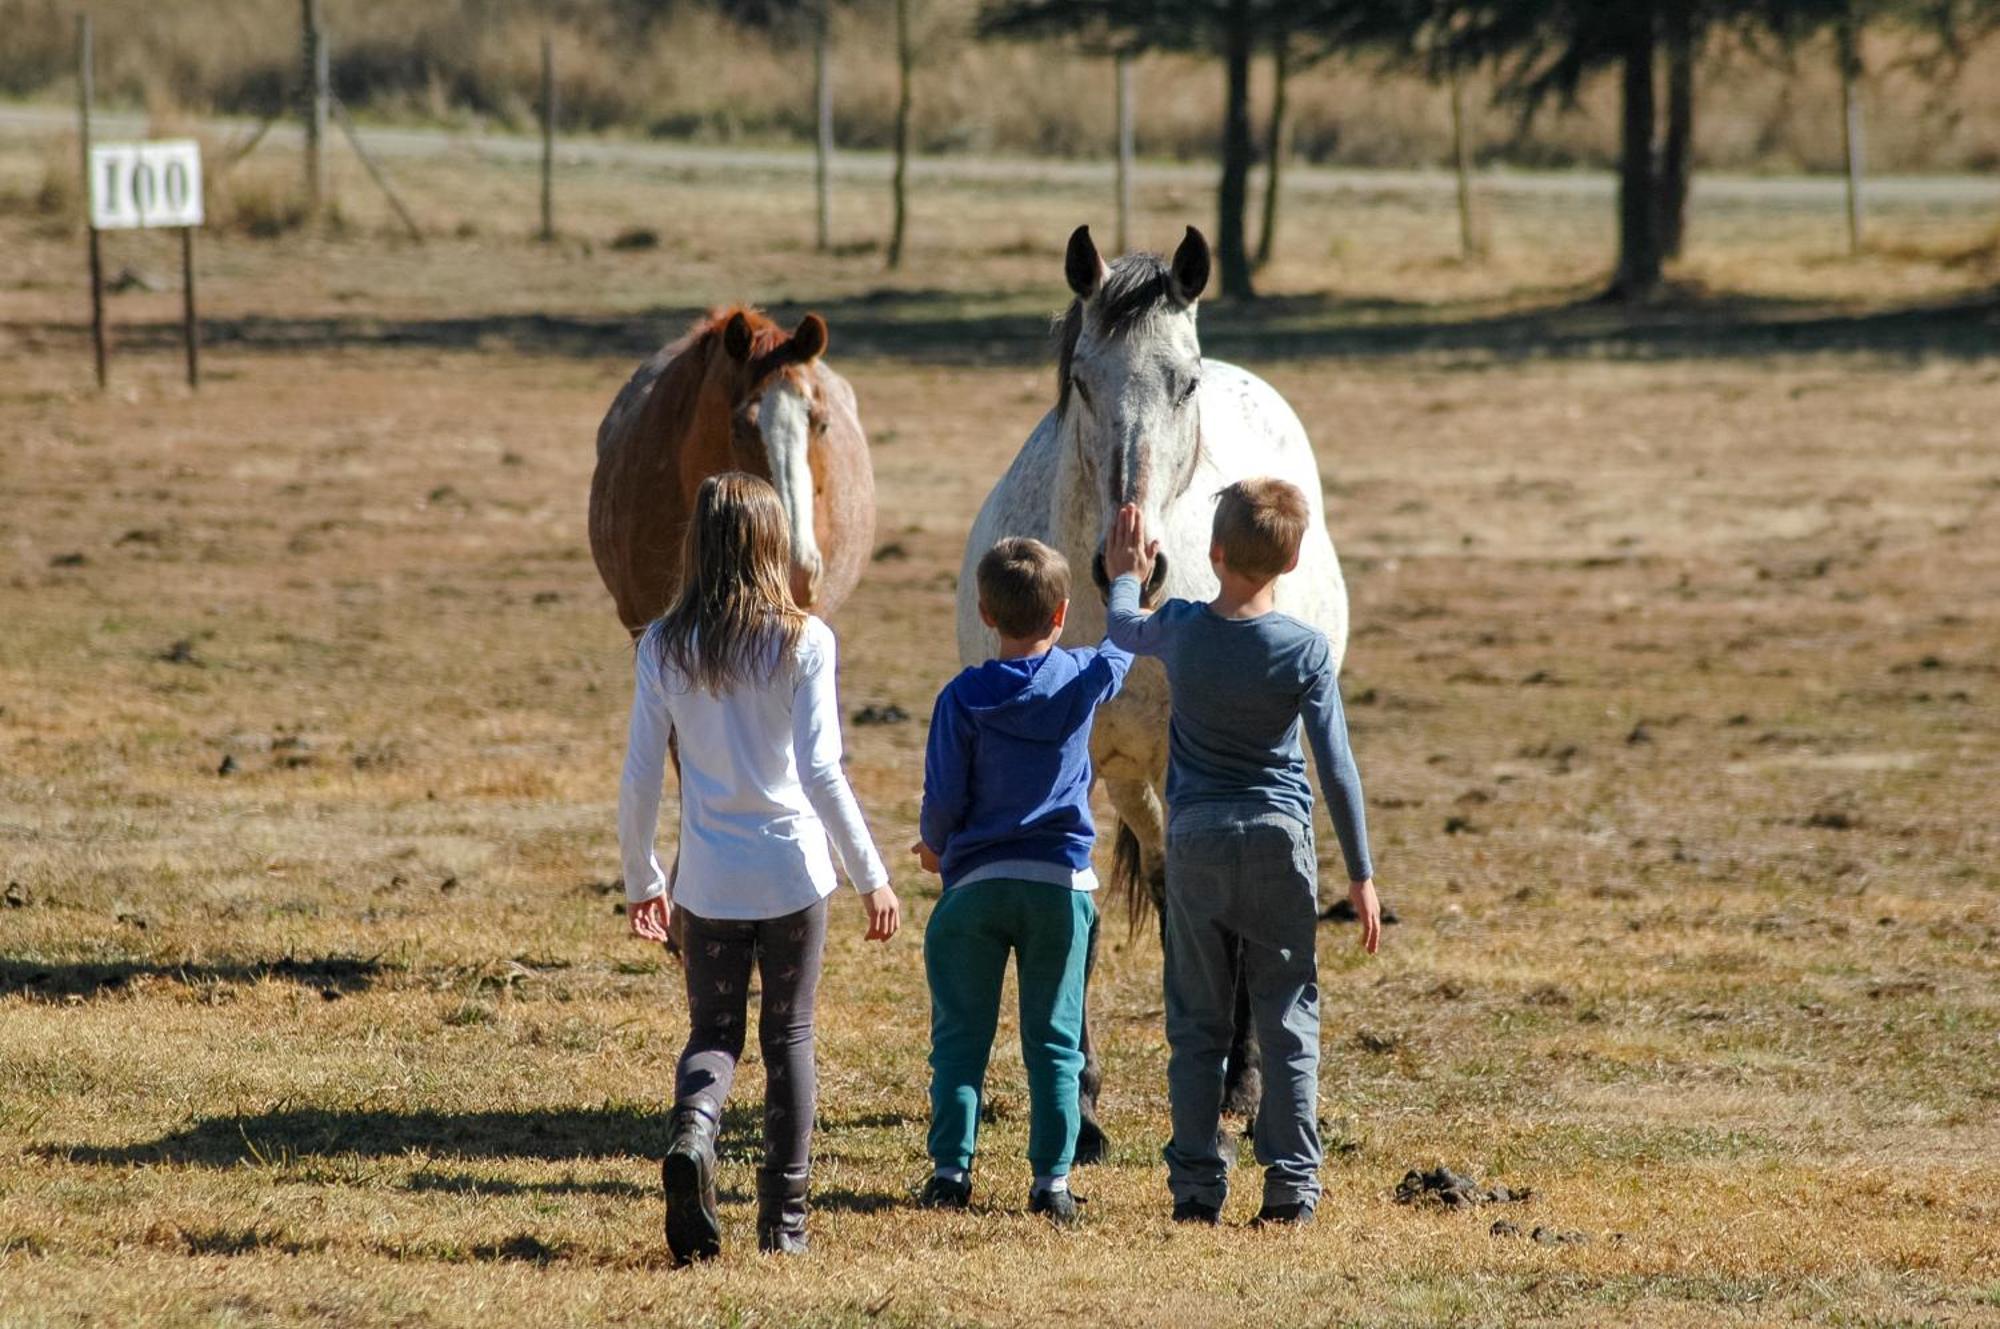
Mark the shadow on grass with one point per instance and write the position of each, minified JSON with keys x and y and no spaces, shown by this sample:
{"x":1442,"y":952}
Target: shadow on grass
{"x":331,"y":975}
{"x":1010,"y":328}
{"x":613,"y":1130}
{"x":465,"y":1183}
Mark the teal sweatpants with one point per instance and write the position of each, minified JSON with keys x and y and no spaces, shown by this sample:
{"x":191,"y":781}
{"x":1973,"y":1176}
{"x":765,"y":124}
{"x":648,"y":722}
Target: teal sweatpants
{"x":966,"y":944}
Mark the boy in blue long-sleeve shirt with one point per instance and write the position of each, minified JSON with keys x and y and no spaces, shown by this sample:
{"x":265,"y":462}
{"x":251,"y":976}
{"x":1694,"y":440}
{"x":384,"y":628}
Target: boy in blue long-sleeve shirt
{"x":1006,"y":820}
{"x":1241,"y":867}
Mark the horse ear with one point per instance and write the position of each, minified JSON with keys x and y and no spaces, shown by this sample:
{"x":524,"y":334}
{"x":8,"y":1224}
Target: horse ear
{"x":809,"y":340}
{"x":736,"y":336}
{"x":1190,"y":267}
{"x":1083,"y":265}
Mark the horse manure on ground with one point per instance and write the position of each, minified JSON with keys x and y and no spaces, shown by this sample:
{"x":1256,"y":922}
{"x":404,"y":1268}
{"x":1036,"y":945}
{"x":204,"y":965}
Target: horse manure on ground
{"x":887,"y":713}
{"x":1442,"y":1187}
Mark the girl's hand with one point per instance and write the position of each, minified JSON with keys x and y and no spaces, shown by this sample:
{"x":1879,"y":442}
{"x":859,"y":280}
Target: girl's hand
{"x":926,"y":856}
{"x":651,"y":919}
{"x":885,"y":913}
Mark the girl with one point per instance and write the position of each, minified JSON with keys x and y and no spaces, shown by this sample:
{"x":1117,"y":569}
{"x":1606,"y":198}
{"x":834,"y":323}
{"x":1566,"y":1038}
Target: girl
{"x":740,"y":680}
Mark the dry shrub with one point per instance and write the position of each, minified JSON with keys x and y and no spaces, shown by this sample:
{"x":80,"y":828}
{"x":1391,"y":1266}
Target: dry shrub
{"x":256,"y":199}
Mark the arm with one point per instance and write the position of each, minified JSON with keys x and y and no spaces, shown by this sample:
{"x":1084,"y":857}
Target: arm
{"x":1108,"y":669}
{"x":816,"y":743}
{"x":947,"y":774}
{"x":639,"y":786}
{"x":1126,"y":628}
{"x":1340,"y":783}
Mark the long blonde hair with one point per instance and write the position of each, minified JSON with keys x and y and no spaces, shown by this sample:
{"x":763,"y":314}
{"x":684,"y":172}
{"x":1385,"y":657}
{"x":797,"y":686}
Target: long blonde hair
{"x":734,"y":620}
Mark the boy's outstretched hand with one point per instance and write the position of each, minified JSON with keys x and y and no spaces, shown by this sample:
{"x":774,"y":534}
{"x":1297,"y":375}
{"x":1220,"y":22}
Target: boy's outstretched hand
{"x":1361,"y":894}
{"x":1126,"y":549}
{"x":652,"y":919}
{"x":926,"y":855}
{"x":885,"y":913}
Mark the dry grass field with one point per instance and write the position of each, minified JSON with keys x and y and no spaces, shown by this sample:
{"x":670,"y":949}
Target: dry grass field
{"x":1673,"y":682}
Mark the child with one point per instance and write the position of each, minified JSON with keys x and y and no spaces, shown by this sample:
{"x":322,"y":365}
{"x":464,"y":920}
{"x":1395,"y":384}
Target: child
{"x":1006,"y":820}
{"x":741,"y":680}
{"x":1241,"y":869}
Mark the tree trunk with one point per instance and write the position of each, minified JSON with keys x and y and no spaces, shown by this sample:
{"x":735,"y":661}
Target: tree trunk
{"x":1677,"y":150}
{"x":1638,"y":209}
{"x":1277,"y":146}
{"x":1232,"y":249}
{"x":905,"y":65}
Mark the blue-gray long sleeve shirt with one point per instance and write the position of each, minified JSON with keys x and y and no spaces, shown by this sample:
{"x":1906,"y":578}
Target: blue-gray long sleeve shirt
{"x":1242,"y":689}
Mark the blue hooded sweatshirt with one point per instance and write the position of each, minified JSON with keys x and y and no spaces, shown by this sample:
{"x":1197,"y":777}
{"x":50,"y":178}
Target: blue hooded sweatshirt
{"x":1007,"y":768}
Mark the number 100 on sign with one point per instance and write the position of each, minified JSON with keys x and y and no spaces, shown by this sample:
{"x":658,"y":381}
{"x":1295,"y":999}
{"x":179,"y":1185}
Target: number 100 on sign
{"x":145,"y":184}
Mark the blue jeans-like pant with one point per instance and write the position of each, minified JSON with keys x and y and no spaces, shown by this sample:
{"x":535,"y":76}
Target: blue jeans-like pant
{"x":966,"y":943}
{"x":1241,"y":892}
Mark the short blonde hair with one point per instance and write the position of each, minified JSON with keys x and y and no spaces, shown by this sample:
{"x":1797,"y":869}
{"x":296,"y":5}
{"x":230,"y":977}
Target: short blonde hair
{"x":1022,"y":583}
{"x":1260,"y":523}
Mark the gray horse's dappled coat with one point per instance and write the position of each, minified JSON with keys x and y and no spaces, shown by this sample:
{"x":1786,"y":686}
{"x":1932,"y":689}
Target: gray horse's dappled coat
{"x":1141,"y":417}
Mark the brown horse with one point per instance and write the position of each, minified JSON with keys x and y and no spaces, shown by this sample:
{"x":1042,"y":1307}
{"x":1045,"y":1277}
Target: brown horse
{"x":735,"y":394}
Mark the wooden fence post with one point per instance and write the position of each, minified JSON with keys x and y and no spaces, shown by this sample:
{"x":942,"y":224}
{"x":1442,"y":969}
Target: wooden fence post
{"x":1853,"y":143}
{"x":548,"y":138}
{"x":1124,"y":81}
{"x":823,"y":113}
{"x":190,"y":330}
{"x":86,"y":77}
{"x":1469,"y":245}
{"x":317,"y":70}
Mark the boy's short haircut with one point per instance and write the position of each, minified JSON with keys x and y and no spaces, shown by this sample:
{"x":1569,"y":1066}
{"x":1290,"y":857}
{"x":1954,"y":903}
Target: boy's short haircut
{"x":1260,"y":523}
{"x":1022,"y":583}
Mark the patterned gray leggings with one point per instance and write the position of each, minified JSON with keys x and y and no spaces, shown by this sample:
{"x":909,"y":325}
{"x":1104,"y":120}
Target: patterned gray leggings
{"x":718,"y":955}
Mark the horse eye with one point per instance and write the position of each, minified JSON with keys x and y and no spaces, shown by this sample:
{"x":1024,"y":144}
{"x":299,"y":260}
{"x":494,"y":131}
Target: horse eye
{"x":1187,"y":392}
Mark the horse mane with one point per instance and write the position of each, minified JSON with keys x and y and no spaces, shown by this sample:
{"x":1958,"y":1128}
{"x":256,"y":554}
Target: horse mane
{"x":1134,"y":288}
{"x":676,"y":393}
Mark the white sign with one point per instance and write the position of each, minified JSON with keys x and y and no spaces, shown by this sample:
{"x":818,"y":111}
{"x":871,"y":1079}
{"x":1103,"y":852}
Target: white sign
{"x":145,"y":184}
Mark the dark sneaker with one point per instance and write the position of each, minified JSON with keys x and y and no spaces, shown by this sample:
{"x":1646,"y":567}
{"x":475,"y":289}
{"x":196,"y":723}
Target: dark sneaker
{"x":944,"y":1193}
{"x":1059,"y":1207}
{"x":1296,"y":1214}
{"x":1194,"y":1211}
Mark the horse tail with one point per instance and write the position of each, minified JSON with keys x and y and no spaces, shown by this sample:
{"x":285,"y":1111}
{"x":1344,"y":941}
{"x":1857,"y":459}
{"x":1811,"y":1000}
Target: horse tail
{"x":1128,"y":878}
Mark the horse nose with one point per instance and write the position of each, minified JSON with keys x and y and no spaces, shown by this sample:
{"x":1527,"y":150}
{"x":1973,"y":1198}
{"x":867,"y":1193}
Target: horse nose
{"x":1149,"y":594}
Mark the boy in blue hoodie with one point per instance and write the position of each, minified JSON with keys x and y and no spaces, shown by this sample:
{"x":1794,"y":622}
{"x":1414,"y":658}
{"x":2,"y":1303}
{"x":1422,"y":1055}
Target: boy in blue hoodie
{"x":1006,"y":821}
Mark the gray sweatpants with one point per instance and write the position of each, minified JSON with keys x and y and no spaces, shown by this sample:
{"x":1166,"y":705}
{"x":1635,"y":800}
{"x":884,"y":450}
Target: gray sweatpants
{"x":1241,"y":889}
{"x":719,"y":954}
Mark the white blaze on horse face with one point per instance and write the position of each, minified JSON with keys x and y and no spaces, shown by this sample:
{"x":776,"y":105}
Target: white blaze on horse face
{"x":1133,"y":399}
{"x":785,"y":420}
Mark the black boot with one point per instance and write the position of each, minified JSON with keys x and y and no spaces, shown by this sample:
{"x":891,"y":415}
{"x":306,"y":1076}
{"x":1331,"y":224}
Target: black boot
{"x":694,"y":1228}
{"x":781,"y":1212}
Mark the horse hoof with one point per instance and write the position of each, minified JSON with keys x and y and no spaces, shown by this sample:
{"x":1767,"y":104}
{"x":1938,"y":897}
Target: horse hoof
{"x":1091,"y":1146}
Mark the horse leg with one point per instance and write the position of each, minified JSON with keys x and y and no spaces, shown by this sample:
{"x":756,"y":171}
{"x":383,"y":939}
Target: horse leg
{"x":1243,"y":1081}
{"x":1091,"y":1144}
{"x":1138,"y":876}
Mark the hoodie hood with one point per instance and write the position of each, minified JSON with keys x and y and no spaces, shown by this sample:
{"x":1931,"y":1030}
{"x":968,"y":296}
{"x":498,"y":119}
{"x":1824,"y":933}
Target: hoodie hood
{"x":1011,"y":696}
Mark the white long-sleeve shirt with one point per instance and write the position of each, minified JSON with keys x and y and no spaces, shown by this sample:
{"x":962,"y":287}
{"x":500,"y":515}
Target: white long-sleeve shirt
{"x":761,"y":788}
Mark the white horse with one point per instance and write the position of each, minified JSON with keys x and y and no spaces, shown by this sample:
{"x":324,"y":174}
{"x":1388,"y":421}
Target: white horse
{"x":1141,"y":418}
